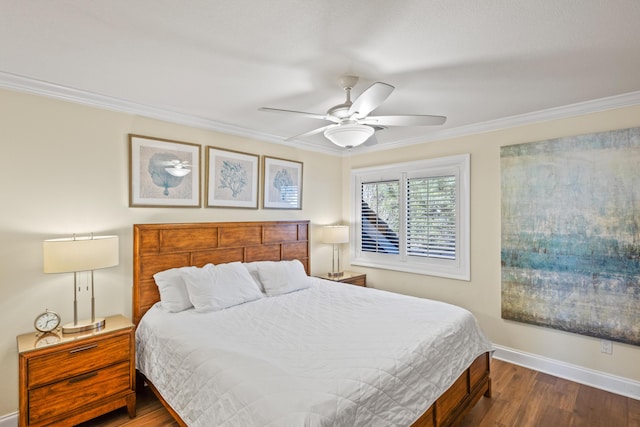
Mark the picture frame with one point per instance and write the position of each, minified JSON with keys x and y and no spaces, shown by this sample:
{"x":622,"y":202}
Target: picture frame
{"x":232,"y":179}
{"x":282,"y":183}
{"x":163,"y":172}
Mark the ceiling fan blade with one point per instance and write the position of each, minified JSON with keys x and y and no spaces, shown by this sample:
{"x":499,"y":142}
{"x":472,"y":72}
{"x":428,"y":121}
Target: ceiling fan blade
{"x":403,"y":120}
{"x":311,"y":132}
{"x":370,"y":99}
{"x":300,"y":113}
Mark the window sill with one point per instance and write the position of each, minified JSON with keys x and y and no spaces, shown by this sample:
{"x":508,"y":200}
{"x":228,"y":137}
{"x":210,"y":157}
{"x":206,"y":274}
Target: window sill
{"x":412,"y":268}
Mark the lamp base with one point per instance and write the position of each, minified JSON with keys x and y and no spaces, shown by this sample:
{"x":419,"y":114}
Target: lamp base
{"x":336,"y":274}
{"x":83,"y":325}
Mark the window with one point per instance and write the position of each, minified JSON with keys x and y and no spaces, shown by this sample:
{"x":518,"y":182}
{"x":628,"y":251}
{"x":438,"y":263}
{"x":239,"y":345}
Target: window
{"x":413,"y":217}
{"x":380,"y":217}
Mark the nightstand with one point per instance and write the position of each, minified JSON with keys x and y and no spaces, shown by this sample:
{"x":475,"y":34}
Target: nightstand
{"x":350,"y":277}
{"x":71,"y":378}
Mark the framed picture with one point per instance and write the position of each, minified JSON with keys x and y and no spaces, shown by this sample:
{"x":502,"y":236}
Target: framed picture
{"x":282,"y":184}
{"x":232,"y":179}
{"x":163,"y":172}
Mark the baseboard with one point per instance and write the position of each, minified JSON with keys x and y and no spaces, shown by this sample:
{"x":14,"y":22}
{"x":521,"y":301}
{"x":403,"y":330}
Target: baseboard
{"x":578,"y":374}
{"x":10,"y":420}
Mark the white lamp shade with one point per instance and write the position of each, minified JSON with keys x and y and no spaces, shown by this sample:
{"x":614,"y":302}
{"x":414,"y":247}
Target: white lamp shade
{"x":82,"y":254}
{"x":349,"y":135}
{"x":335,"y":234}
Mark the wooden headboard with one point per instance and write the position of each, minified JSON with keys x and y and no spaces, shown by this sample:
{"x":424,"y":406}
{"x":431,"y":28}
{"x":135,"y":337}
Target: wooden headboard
{"x":158,"y":247}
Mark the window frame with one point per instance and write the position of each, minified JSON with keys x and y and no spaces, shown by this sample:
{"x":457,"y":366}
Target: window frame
{"x":457,"y":165}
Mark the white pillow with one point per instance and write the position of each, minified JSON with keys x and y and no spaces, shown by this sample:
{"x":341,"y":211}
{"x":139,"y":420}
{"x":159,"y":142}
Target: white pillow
{"x":253,"y":267}
{"x":282,"y":277}
{"x":173,"y":290}
{"x":216,"y":287}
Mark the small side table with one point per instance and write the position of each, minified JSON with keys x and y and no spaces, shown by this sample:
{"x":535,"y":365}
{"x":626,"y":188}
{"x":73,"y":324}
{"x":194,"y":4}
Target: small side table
{"x":350,"y":277}
{"x":71,"y":378}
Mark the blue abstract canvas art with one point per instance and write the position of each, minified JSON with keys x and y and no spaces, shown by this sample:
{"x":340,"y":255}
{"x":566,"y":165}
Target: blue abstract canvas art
{"x":571,"y":234}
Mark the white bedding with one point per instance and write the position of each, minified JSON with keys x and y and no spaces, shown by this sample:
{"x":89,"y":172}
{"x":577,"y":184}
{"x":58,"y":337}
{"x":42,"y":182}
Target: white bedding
{"x":330,"y":355}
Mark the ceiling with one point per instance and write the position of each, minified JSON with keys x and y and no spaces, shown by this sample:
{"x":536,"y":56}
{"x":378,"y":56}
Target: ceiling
{"x":214,"y":63}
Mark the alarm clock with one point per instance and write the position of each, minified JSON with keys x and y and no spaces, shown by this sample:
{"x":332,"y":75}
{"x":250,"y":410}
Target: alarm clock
{"x":47,"y":321}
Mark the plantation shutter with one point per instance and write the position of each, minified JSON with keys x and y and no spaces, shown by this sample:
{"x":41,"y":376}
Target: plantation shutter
{"x":431,"y":217}
{"x":380,"y":217}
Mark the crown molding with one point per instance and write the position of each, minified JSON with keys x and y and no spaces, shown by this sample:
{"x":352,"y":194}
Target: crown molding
{"x":52,"y":90}
{"x":38,"y":87}
{"x":594,"y":106}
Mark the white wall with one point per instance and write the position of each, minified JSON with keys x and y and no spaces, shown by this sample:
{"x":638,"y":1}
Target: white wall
{"x":482,"y":294}
{"x":65,"y":170}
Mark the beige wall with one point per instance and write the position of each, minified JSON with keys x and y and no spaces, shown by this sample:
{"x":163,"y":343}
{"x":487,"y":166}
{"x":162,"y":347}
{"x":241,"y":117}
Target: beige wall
{"x":482,"y":294}
{"x":65,"y":170}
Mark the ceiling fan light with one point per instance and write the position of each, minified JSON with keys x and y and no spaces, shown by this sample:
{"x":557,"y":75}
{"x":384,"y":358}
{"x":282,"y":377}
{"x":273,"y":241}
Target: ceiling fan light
{"x":349,"y":135}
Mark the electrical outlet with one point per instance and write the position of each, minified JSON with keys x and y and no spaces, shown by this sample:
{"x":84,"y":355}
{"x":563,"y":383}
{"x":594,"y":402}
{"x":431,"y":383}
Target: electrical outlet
{"x":606,"y":346}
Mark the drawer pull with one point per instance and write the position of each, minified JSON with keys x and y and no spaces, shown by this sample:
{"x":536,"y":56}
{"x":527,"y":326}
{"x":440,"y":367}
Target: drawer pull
{"x":82,"y":377}
{"x":79,"y":349}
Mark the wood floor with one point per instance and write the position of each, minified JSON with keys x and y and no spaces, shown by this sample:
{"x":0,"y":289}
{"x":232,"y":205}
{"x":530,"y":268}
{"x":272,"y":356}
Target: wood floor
{"x":525,"y":398}
{"x":521,"y":398}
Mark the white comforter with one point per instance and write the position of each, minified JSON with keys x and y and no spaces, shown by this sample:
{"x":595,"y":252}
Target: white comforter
{"x":330,"y":355}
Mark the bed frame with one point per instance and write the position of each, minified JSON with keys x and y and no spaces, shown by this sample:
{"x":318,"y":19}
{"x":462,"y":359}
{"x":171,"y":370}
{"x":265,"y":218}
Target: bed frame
{"x":157,"y":247}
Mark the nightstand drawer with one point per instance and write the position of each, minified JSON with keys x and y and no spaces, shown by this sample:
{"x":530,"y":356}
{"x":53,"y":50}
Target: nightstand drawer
{"x":65,"y":396}
{"x":85,"y":357}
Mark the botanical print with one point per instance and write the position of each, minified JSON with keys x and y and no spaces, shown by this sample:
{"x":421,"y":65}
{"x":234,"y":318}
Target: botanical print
{"x":233,"y":180}
{"x":163,"y":172}
{"x":571,"y":234}
{"x":282,"y":184}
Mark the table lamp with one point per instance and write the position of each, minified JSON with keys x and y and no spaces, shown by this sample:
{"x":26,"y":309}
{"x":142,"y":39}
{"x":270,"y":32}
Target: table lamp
{"x":73,"y":255}
{"x":335,"y":235}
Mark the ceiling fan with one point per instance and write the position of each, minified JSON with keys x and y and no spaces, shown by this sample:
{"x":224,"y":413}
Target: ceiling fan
{"x":351,"y":123}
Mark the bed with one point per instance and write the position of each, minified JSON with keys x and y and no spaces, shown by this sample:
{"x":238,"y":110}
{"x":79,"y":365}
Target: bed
{"x":317,"y":375}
